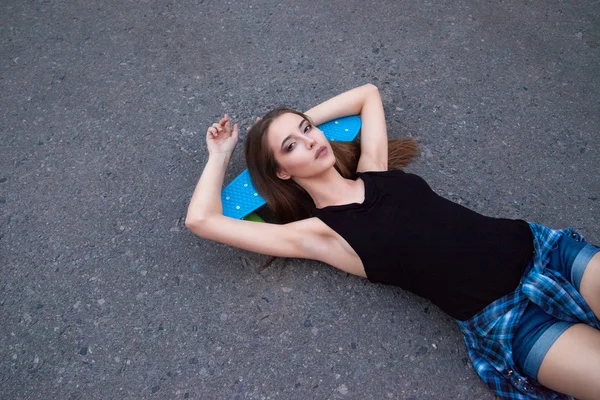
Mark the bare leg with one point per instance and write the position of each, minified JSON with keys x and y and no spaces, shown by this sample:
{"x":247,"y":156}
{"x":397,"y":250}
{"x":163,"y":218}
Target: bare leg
{"x":572,"y":365}
{"x":590,"y":285}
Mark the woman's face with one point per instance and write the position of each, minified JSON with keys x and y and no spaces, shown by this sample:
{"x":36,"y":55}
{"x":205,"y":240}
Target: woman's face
{"x":295,"y":142}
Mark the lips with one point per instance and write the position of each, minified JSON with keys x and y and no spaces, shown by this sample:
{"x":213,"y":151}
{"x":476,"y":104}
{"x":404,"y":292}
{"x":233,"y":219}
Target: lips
{"x":322,"y":150}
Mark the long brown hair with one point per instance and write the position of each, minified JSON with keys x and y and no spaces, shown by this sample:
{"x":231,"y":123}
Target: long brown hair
{"x":289,"y":201}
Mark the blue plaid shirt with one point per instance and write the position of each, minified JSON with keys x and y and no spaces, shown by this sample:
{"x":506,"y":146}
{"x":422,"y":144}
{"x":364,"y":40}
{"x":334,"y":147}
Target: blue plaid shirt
{"x":489,"y":334}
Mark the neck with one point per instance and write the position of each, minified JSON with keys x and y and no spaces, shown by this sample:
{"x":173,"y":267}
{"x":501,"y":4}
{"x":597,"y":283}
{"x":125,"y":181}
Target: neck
{"x":332,"y":189}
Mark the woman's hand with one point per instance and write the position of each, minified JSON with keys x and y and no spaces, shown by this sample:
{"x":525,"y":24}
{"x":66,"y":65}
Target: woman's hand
{"x":347,"y":103}
{"x":221,"y":137}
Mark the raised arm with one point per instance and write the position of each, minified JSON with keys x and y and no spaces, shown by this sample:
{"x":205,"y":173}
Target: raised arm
{"x":366,"y":101}
{"x":205,"y":213}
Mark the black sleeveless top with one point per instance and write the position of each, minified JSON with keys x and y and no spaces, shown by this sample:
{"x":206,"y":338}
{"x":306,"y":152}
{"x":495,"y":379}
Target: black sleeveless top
{"x":407,"y":235}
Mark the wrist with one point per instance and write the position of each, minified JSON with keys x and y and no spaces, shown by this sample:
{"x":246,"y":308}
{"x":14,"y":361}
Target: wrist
{"x":220,"y":159}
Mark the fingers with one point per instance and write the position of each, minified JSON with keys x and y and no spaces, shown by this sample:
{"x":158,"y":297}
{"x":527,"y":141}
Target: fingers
{"x":257,"y":119}
{"x":214,"y":130}
{"x":235,"y":132}
{"x":223,"y":126}
{"x":224,"y":123}
{"x":224,"y":120}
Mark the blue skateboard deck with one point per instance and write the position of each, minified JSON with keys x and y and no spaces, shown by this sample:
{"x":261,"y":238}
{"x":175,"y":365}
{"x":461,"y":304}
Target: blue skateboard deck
{"x":240,"y":198}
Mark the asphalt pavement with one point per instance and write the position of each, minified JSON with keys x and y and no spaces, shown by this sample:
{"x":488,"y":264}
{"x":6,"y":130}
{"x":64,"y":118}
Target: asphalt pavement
{"x":104,"y":106}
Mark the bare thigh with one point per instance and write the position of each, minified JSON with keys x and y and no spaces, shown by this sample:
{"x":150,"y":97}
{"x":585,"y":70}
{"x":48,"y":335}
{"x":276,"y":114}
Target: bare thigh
{"x":572,"y":365}
{"x":590,"y":284}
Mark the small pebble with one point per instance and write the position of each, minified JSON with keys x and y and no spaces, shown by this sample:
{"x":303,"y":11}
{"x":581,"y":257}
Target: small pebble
{"x":342,"y":389}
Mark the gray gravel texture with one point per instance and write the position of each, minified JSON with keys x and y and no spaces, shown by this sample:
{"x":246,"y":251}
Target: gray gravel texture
{"x":104,"y":107}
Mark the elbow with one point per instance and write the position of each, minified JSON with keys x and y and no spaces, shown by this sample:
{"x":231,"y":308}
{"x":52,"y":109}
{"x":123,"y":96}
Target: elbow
{"x":194,"y":223}
{"x":372,"y":87}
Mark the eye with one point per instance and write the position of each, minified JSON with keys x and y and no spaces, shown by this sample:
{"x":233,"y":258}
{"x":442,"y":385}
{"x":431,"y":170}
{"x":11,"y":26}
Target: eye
{"x":290,"y":147}
{"x":307,"y":128}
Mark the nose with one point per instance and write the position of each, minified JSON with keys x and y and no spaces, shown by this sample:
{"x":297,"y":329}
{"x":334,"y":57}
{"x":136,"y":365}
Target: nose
{"x":310,"y":142}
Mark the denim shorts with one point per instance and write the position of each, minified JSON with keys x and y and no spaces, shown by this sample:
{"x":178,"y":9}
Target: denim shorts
{"x":537,"y":330}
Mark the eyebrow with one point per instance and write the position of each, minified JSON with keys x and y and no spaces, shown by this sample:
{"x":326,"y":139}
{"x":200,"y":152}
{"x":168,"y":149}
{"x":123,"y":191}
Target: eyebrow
{"x":290,"y":135}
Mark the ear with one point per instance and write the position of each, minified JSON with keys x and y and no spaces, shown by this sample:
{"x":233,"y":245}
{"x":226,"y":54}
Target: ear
{"x":282,"y":174}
